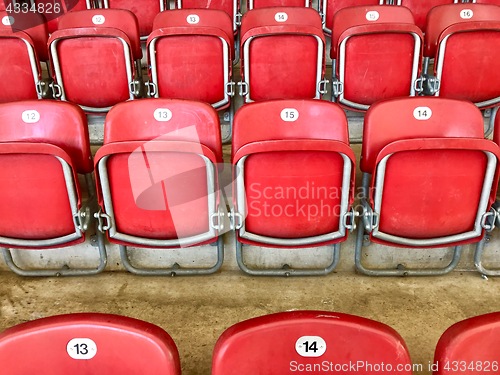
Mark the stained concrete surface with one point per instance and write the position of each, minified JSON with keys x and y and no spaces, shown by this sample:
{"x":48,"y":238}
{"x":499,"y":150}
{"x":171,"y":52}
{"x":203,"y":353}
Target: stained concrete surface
{"x":196,"y":310}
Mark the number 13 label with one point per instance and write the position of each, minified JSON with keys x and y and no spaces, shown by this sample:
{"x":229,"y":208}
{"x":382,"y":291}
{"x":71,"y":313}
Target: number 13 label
{"x":81,"y":348}
{"x":310,"y":346}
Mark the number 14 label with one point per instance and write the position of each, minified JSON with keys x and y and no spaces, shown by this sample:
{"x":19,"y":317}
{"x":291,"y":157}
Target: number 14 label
{"x":310,"y":346}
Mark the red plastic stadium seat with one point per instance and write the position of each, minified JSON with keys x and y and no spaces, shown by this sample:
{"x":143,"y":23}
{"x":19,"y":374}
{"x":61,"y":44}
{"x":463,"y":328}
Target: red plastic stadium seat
{"x":256,"y":4}
{"x":470,"y":347}
{"x":378,"y":54}
{"x":157,"y":177}
{"x":88,"y":343}
{"x":231,"y":7}
{"x":310,"y":342}
{"x":93,"y":55}
{"x":420,"y":8}
{"x":54,"y":10}
{"x":282,"y":54}
{"x":328,"y":9}
{"x":144,"y":10}
{"x":180,"y":72}
{"x":23,"y":40}
{"x":492,"y":2}
{"x":293,"y":160}
{"x":430,"y":174}
{"x":462,"y":40}
{"x":44,"y":145}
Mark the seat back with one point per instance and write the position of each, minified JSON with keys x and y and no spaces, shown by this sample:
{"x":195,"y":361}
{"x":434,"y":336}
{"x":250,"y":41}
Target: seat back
{"x":44,"y":144}
{"x":157,"y":169}
{"x":231,"y":7}
{"x":88,"y":343}
{"x":53,"y":11}
{"x":145,"y":11}
{"x":378,"y":53}
{"x":471,"y":344}
{"x":202,"y":73}
{"x":329,"y":8}
{"x":256,"y":4}
{"x":420,"y":8}
{"x":282,"y":53}
{"x":459,"y":37}
{"x":23,"y":38}
{"x":309,"y":342}
{"x":294,"y":172}
{"x":434,"y":174}
{"x":87,"y":48}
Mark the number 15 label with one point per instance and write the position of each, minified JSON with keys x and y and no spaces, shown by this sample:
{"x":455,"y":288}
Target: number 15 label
{"x":310,"y":346}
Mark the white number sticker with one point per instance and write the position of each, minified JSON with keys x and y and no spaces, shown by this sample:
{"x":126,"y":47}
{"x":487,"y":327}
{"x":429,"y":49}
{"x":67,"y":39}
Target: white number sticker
{"x":8,"y":20}
{"x":31,"y":116}
{"x":98,"y":19}
{"x":422,"y":113}
{"x":193,"y":19}
{"x":372,"y":15}
{"x":281,"y":17}
{"x":163,"y":114}
{"x":310,"y":346}
{"x":289,"y":114}
{"x":466,"y":14}
{"x":81,"y":349}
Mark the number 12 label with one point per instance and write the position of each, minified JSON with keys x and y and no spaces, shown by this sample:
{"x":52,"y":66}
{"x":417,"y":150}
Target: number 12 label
{"x":310,"y":346}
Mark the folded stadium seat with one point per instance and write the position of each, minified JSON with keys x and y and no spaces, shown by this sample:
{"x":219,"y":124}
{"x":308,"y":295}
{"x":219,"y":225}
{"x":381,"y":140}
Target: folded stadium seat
{"x":44,"y":145}
{"x":54,"y":10}
{"x":157,"y":179}
{"x":429,"y":178}
{"x":23,"y":40}
{"x":282,"y":54}
{"x":420,"y":8}
{"x":92,"y":56}
{"x":376,"y":53}
{"x":202,"y":73}
{"x":462,"y":40}
{"x":470,"y":346}
{"x":328,"y":9}
{"x":293,"y":160}
{"x":88,"y":343}
{"x":231,"y":7}
{"x":145,"y":12}
{"x":256,"y":4}
{"x":310,"y":342}
{"x":478,"y":256}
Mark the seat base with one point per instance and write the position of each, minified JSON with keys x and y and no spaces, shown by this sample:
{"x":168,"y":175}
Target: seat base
{"x":175,"y":270}
{"x":103,"y":260}
{"x":286,"y":270}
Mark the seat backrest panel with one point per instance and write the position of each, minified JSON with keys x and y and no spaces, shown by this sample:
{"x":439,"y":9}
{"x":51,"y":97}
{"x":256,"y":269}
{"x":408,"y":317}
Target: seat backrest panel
{"x":471,"y":341}
{"x":61,"y":124}
{"x":32,"y":24}
{"x":145,"y":12}
{"x":262,"y":121}
{"x":448,"y":118}
{"x":118,"y":344}
{"x":444,"y":16}
{"x":420,"y":9}
{"x":333,"y":6}
{"x":119,"y":19}
{"x":191,"y":122}
{"x":51,"y":13}
{"x":271,"y":344}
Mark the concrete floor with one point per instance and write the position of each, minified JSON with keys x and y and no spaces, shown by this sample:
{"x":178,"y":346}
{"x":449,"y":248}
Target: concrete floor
{"x":196,"y":310}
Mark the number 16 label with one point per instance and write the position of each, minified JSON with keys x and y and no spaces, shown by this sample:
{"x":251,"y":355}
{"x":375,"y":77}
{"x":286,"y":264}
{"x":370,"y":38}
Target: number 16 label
{"x":81,"y":349}
{"x":310,"y":346}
